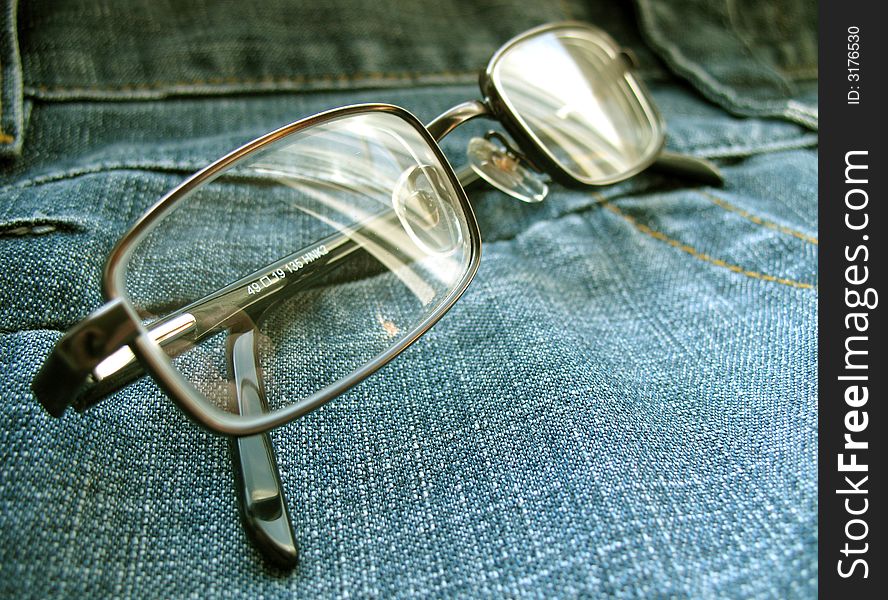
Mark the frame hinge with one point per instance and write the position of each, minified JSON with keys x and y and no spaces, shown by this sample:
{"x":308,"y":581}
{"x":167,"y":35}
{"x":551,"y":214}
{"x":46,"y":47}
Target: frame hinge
{"x":71,"y":362}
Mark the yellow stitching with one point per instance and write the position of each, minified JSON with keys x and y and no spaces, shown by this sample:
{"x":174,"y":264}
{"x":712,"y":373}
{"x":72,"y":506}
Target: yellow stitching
{"x":214,"y":81}
{"x":700,"y":255}
{"x":5,"y":138}
{"x":758,"y":220}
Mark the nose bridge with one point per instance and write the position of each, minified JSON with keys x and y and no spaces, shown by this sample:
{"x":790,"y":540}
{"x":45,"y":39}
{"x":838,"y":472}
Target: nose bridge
{"x":456,"y":116}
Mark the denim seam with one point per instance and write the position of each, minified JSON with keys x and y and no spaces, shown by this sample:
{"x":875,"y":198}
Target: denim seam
{"x":601,"y":199}
{"x":719,"y":202}
{"x":159,"y":166}
{"x":223,"y":85}
{"x":7,"y":138}
{"x":804,"y":141}
{"x":269,"y":80}
{"x":722,"y":203}
{"x":679,"y":245}
{"x":232,"y":82}
{"x":12,"y":107}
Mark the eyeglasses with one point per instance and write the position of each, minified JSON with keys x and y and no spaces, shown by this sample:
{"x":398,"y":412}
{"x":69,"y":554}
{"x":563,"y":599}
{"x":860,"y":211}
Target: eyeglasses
{"x":294,"y":267}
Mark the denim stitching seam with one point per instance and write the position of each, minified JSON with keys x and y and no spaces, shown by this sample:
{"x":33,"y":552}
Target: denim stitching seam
{"x":657,"y":235}
{"x":5,"y":138}
{"x":720,"y":202}
{"x":222,"y":81}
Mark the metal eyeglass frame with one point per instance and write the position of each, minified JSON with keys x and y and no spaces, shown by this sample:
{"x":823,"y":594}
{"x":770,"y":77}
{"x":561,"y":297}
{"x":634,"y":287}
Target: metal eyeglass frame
{"x":71,"y":373}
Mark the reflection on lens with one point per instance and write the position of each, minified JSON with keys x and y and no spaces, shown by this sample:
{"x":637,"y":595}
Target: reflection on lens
{"x":331,"y":244}
{"x":569,"y":88}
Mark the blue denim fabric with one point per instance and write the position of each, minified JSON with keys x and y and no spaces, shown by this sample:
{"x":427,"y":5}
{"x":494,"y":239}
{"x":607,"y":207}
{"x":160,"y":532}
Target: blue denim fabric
{"x":753,"y":58}
{"x":12,"y":106}
{"x":623,"y":404}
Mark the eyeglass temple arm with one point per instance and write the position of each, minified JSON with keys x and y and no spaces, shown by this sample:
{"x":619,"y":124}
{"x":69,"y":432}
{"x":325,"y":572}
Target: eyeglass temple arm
{"x":673,"y":163}
{"x":689,"y":167}
{"x":260,"y":493}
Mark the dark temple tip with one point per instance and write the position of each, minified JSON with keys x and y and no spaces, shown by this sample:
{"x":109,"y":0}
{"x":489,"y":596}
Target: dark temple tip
{"x":67,"y":369}
{"x":274,"y":539}
{"x":691,"y":167}
{"x":55,"y":385}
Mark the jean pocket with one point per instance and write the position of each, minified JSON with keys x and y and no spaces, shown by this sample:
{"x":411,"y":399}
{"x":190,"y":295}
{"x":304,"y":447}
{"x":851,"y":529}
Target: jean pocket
{"x":51,"y":274}
{"x":752,"y":60}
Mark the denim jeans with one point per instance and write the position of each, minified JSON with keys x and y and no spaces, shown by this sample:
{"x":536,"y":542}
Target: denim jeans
{"x":623,"y":404}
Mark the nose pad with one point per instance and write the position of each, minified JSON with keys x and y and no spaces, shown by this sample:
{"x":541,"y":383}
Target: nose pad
{"x":425,"y":207}
{"x":502,"y":168}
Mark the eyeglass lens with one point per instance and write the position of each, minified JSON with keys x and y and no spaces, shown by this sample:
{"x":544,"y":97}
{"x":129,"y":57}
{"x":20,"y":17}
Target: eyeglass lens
{"x":571,"y":90}
{"x":331,"y":244}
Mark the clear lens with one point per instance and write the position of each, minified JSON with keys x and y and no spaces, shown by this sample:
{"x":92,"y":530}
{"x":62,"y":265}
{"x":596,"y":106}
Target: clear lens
{"x":571,"y":91}
{"x":330,"y":246}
